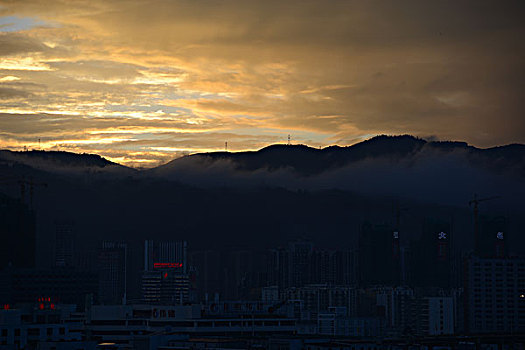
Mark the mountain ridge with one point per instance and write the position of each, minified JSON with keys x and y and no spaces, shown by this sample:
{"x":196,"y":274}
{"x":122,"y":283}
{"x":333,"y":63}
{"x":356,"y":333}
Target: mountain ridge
{"x":302,"y":159}
{"x":305,"y":160}
{"x":61,"y":162}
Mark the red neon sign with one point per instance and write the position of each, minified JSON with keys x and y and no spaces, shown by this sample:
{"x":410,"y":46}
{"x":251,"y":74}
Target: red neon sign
{"x":166,"y":265}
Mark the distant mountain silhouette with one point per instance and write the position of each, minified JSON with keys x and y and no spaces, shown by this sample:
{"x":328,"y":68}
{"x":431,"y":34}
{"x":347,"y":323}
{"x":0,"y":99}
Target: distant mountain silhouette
{"x":59,"y":161}
{"x":380,"y":154}
{"x":266,"y":197}
{"x":301,"y":159}
{"x":304,"y":160}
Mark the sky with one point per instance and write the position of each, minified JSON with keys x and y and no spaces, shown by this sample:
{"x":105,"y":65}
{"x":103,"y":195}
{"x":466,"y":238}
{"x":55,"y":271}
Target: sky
{"x":144,"y":82}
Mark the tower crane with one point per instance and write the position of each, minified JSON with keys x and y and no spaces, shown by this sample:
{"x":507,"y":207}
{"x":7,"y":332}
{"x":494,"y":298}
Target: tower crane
{"x":23,"y":183}
{"x":475,"y":202}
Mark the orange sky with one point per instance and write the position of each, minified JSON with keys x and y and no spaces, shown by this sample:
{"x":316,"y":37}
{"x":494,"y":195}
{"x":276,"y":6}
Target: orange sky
{"x":143,"y":82}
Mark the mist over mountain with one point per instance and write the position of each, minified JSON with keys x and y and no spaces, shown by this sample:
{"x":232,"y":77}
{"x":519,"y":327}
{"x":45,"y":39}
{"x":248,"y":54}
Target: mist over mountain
{"x":62,"y":162}
{"x":444,"y":172}
{"x":264,"y":198}
{"x":306,"y":161}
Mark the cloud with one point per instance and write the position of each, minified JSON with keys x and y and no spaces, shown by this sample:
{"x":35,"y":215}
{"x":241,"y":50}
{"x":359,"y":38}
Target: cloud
{"x":447,"y":178}
{"x":7,"y":93}
{"x":98,"y":71}
{"x":325,"y":72}
{"x":15,"y":43}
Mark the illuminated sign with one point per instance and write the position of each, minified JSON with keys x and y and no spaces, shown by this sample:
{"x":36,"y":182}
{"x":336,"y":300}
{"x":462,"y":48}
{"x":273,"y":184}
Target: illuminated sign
{"x":45,"y":303}
{"x":499,"y":235}
{"x":396,"y":234}
{"x":167,"y":265}
{"x":442,"y":235}
{"x":162,"y":313}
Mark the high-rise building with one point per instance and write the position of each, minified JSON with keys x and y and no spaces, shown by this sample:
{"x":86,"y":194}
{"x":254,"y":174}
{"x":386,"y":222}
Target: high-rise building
{"x":432,"y":315}
{"x":17,"y":229}
{"x":300,"y":264}
{"x":494,"y":290}
{"x":165,"y":279}
{"x":112,"y":261}
{"x":64,"y":243}
{"x":300,"y":259}
{"x":165,"y":286}
{"x":431,"y":260}
{"x":322,"y":269}
{"x":279,"y":268}
{"x":208,"y":272}
{"x":493,"y":237}
{"x":161,"y":254}
{"x":379,"y":255}
{"x":396,"y":302}
{"x":317,"y":298}
{"x":344,"y":265}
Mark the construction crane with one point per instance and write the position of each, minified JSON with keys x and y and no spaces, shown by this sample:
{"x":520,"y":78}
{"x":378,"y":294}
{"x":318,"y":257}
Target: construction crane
{"x":23,"y":183}
{"x":475,"y":202}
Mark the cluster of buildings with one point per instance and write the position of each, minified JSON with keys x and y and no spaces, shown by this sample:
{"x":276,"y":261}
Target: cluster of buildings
{"x":385,"y":293}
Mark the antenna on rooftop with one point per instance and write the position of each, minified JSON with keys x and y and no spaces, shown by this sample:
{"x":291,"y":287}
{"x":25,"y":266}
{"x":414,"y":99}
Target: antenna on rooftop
{"x":288,"y":139}
{"x":226,"y":146}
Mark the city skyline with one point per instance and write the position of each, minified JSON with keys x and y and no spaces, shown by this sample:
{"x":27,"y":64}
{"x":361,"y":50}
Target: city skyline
{"x":243,"y":174}
{"x":144,"y":82}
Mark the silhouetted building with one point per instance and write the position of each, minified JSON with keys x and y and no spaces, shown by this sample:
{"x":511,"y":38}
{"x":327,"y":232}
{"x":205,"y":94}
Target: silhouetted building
{"x":208,"y":272}
{"x":279,"y":268}
{"x":64,"y":244}
{"x":165,"y":279}
{"x":495,"y":295}
{"x":336,"y":322}
{"x":344,"y":265}
{"x":432,"y":315}
{"x":300,"y":262}
{"x":165,"y":287}
{"x":317,"y":298}
{"x":379,"y":255}
{"x":493,"y":237}
{"x":431,"y":262}
{"x":63,"y":285}
{"x":165,"y":253}
{"x":43,"y":325}
{"x":17,"y":229}
{"x":335,"y":267}
{"x":112,"y":271}
{"x":322,"y":267}
{"x":396,"y":302}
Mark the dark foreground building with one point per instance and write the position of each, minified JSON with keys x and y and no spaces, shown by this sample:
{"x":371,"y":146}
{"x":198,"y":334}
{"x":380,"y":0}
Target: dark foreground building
{"x":17,"y":229}
{"x":62,"y":285}
{"x":495,"y":295}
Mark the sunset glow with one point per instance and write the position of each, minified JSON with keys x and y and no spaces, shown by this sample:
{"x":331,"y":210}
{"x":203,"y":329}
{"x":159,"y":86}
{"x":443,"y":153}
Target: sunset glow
{"x":143,"y":82}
